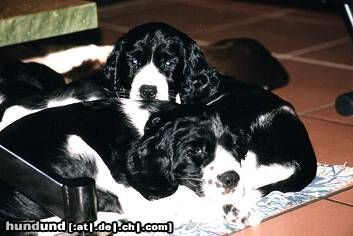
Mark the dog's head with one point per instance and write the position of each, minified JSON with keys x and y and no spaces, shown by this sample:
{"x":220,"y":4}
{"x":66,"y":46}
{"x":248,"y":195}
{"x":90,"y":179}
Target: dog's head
{"x":156,"y":61}
{"x":193,"y":149}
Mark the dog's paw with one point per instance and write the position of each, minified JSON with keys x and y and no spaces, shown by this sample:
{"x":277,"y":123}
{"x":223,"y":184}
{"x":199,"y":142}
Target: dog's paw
{"x":240,"y":217}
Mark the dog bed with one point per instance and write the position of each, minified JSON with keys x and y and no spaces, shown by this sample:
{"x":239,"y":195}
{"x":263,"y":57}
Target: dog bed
{"x":329,"y":179}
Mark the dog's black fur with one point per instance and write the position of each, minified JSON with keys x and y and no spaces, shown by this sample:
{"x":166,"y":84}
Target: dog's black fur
{"x":252,"y":126}
{"x":26,"y":84}
{"x":104,"y":125}
{"x":282,"y":139}
{"x":178,"y":61}
{"x":178,"y":146}
{"x":165,"y":44}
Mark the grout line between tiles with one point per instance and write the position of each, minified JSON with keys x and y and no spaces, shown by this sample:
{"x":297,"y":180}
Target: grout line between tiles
{"x":124,"y":29}
{"x":247,"y":21}
{"x":113,"y":27}
{"x":316,"y":109}
{"x":111,"y":8}
{"x":338,"y":202}
{"x":327,"y":120}
{"x":318,"y":47}
{"x":222,"y":6}
{"x":313,"y":61}
{"x":310,"y":202}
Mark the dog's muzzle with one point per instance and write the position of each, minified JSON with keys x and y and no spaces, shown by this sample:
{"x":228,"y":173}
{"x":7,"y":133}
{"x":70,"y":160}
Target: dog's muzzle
{"x":148,"y":92}
{"x":229,"y":179}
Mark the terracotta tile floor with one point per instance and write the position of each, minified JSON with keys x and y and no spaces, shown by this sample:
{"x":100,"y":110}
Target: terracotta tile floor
{"x":318,"y":55}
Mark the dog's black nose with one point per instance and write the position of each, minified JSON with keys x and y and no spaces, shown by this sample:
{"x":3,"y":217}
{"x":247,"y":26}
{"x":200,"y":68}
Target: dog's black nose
{"x":229,"y":179}
{"x":148,"y":91}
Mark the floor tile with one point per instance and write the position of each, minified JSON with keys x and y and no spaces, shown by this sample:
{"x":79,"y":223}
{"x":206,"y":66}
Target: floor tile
{"x":251,"y":8}
{"x":333,"y":143}
{"x":342,"y":53}
{"x":330,"y":114}
{"x":282,"y":34}
{"x":108,"y":36}
{"x":174,"y":13}
{"x":312,"y":86}
{"x":323,"y":218}
{"x":344,"y":197}
{"x":313,"y":16}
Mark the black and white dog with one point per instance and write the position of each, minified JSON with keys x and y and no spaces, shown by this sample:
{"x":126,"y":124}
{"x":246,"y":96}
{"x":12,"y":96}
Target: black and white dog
{"x":226,"y":151}
{"x":216,"y":146}
{"x":100,"y":139}
{"x":151,"y":61}
{"x":236,"y":149}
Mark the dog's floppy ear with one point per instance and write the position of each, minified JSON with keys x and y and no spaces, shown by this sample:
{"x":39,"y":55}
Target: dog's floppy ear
{"x":111,"y":80}
{"x":149,"y":164}
{"x":152,"y":124}
{"x":201,"y":81}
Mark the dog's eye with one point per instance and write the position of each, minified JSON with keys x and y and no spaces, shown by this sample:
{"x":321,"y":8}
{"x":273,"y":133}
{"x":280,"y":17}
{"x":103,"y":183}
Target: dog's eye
{"x":195,"y":151}
{"x":169,"y":63}
{"x":135,"y":61}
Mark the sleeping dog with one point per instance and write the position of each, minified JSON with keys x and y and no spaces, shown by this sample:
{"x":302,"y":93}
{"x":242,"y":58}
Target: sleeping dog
{"x":237,"y":148}
{"x":99,"y":139}
{"x":226,"y":151}
{"x":261,"y":128}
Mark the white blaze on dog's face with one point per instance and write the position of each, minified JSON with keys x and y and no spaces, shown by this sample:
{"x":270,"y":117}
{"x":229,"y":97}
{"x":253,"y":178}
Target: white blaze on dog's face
{"x":147,"y":65}
{"x":149,"y":83}
{"x":221,"y":176}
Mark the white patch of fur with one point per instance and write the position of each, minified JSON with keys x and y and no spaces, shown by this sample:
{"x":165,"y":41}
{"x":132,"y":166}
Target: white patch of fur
{"x":180,"y":207}
{"x":93,"y":98}
{"x":2,"y":98}
{"x":104,"y":180}
{"x":149,"y":75}
{"x":57,"y":102}
{"x":177,"y":99}
{"x":265,"y":174}
{"x":63,"y":61}
{"x":245,"y":195}
{"x":265,"y":119}
{"x":224,"y":161}
{"x":136,"y":114}
{"x":14,"y":113}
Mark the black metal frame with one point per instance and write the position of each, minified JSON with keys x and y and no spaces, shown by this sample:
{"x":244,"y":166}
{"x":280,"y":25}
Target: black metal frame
{"x":73,"y":200}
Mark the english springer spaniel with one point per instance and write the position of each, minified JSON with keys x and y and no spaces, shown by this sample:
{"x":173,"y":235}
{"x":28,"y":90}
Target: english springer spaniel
{"x":239,"y":147}
{"x":151,"y":61}
{"x":100,"y":139}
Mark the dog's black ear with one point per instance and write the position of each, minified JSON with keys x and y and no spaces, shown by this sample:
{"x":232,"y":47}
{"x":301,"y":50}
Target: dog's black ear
{"x":154,"y":124}
{"x":110,"y":81}
{"x":149,"y":164}
{"x":201,"y":80}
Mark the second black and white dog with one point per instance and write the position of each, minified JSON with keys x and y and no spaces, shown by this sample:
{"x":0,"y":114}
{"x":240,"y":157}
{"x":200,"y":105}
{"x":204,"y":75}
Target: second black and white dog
{"x":101,"y":140}
{"x":226,"y":151}
{"x":236,"y":149}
